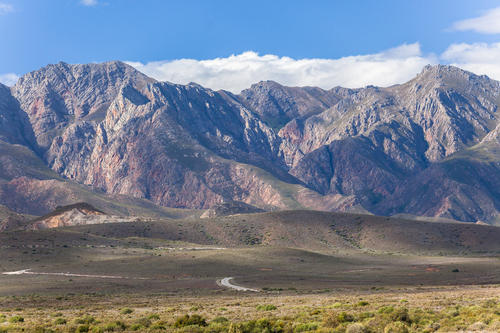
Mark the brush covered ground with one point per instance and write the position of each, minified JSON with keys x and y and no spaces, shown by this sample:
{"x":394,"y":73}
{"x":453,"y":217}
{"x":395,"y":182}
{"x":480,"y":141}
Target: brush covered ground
{"x":422,"y":309}
{"x":316,"y":271}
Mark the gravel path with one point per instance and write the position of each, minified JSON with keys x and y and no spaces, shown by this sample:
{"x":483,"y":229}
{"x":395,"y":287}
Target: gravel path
{"x":226,"y":282}
{"x":29,"y":272}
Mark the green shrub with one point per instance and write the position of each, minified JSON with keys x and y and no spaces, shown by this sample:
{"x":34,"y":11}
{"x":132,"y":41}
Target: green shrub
{"x":116,"y":326}
{"x":365,"y":315}
{"x":16,"y":319}
{"x":220,"y":320}
{"x":315,"y":312}
{"x":160,"y":326}
{"x":154,"y":316}
{"x":305,"y":327}
{"x":345,"y":317}
{"x":257,"y":326}
{"x":330,"y":320}
{"x":396,"y":327}
{"x":363,"y":303}
{"x":356,"y":328}
{"x":86,"y":320}
{"x":188,"y":320}
{"x":401,"y":314}
{"x":266,"y":307}
{"x":82,"y":329}
{"x":334,"y":319}
{"x":136,"y":327}
{"x":96,"y":329}
{"x":126,"y":311}
{"x":146,"y":322}
{"x":60,"y":321}
{"x":385,"y":309}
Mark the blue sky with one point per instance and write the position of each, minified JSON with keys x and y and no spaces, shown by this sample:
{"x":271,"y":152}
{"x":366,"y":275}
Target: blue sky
{"x":153,"y":34}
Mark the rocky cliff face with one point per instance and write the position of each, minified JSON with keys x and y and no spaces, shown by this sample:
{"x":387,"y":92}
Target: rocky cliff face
{"x":381,"y":150}
{"x":15,"y":127}
{"x":61,"y":94}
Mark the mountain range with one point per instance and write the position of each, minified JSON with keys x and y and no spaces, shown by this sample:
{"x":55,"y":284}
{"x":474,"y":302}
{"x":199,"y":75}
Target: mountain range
{"x":109,"y":135}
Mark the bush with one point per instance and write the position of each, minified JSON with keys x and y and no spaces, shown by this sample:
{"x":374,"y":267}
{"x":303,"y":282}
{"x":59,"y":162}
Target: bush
{"x":304,"y":327}
{"x":82,"y":329}
{"x":16,"y":319}
{"x":345,"y":317}
{"x":220,"y":320}
{"x":386,"y":309}
{"x":154,"y":316}
{"x":363,"y":303}
{"x":257,"y":326}
{"x":266,"y":307}
{"x":477,"y":326}
{"x":158,"y":327}
{"x":401,"y":314}
{"x":146,"y":322}
{"x":365,"y":315}
{"x":136,"y":327}
{"x":334,"y":319}
{"x":115,"y":326}
{"x":188,"y":320}
{"x":356,"y":328}
{"x":86,"y":320}
{"x":396,"y":327}
{"x":330,"y":320}
{"x":60,"y":321}
{"x":126,"y":311}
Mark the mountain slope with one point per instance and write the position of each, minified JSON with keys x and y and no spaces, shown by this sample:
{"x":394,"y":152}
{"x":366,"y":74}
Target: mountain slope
{"x":380,"y":150}
{"x":372,"y":143}
{"x":313,"y":231}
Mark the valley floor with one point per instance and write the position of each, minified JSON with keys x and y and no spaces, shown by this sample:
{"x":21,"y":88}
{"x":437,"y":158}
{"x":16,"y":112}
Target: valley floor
{"x":141,"y":277}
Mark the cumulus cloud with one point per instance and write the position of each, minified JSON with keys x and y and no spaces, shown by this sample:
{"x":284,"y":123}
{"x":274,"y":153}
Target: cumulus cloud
{"x":89,"y":2}
{"x":6,"y":8}
{"x":9,"y":79}
{"x":488,"y":23}
{"x":238,"y":72}
{"x":480,"y":58}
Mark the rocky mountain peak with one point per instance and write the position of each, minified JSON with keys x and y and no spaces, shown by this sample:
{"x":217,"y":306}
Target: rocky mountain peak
{"x":454,"y":77}
{"x":58,"y":94}
{"x":277,"y":104}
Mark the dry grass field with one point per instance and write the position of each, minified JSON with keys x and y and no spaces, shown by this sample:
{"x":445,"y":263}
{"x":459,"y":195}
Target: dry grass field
{"x":411,"y":309}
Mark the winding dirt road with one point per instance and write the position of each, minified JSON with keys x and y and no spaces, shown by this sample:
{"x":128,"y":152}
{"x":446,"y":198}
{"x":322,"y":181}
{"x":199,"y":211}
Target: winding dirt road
{"x":29,"y":272}
{"x":226,"y":282}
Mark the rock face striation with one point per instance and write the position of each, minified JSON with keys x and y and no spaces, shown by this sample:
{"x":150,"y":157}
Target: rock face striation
{"x":427,"y":147}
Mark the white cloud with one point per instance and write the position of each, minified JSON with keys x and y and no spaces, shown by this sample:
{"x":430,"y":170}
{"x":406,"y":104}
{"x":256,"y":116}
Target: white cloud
{"x":9,"y":79}
{"x":480,"y":58}
{"x":488,"y":23}
{"x":5,"y":8}
{"x":88,"y":2}
{"x":238,"y":72}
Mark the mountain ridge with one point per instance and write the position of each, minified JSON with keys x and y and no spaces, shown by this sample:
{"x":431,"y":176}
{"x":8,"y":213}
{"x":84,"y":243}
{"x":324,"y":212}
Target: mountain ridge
{"x":111,"y":127}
